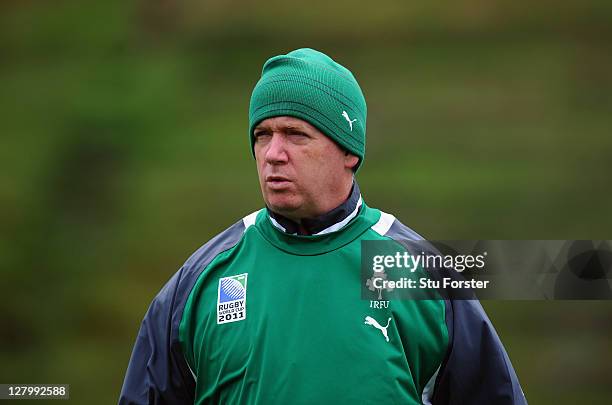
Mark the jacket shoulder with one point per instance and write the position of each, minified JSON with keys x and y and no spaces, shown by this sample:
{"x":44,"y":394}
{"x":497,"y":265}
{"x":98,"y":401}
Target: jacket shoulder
{"x":220,"y":243}
{"x":388,"y":225}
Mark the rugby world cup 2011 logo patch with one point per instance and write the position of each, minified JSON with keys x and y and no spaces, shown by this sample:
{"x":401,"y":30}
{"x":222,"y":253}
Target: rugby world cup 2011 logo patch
{"x":231,"y":299}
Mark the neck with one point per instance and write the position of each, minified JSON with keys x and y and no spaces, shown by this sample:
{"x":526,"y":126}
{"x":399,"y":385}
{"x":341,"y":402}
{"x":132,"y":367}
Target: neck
{"x":336,"y":217}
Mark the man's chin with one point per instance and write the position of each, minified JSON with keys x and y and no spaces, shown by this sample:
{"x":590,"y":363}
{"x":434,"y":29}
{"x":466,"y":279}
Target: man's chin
{"x":283,"y":206}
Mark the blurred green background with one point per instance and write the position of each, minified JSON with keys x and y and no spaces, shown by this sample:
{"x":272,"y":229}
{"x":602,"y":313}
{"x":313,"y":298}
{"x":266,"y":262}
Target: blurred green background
{"x":124,"y":148}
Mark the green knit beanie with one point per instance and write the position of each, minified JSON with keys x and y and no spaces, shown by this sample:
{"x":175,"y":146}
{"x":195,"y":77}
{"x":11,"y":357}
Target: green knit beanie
{"x":309,"y":85}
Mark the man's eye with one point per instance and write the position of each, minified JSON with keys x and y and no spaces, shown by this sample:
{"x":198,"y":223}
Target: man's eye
{"x":261,"y":135}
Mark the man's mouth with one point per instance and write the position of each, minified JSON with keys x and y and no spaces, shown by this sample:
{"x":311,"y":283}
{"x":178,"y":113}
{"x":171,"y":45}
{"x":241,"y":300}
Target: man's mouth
{"x":277,"y":182}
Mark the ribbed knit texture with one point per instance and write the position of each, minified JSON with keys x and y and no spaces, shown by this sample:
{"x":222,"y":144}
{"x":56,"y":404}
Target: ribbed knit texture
{"x":309,"y":85}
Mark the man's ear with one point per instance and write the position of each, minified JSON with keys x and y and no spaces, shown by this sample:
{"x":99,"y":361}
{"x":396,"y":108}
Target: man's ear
{"x":350,"y":160}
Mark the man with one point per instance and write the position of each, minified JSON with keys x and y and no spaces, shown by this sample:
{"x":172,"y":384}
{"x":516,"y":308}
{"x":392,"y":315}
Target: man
{"x":269,"y":310}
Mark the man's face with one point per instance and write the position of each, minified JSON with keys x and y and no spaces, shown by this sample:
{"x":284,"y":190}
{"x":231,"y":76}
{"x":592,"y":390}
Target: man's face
{"x":302,"y":173}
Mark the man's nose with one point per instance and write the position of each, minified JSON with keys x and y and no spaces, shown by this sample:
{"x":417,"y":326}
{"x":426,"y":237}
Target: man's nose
{"x":276,"y":152}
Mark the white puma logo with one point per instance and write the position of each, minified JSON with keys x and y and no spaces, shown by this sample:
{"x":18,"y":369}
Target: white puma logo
{"x":371,"y":321}
{"x":350,"y":121}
